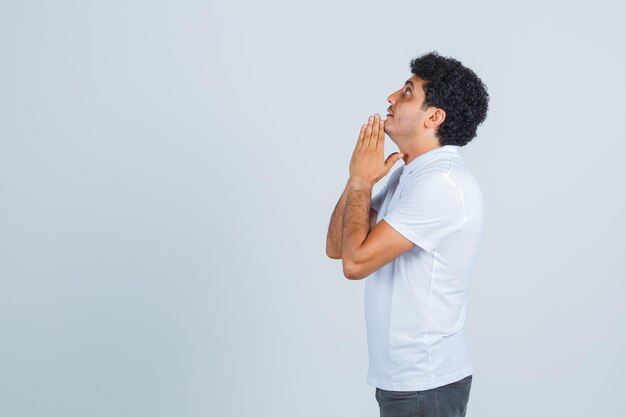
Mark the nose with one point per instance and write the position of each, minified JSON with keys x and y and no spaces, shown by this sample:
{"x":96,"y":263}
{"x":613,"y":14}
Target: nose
{"x":392,"y":98}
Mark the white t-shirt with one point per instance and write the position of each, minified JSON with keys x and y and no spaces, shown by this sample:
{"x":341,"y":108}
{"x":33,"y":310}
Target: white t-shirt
{"x":415,"y":305}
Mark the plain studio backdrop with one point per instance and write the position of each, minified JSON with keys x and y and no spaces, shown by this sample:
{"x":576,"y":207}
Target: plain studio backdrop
{"x":168,"y":171}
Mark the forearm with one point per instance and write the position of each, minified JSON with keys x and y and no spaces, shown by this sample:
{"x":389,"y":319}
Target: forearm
{"x":335,"y":228}
{"x":355,"y":222}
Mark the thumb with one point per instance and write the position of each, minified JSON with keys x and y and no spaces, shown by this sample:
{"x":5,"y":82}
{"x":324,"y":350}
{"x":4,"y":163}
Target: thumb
{"x":392,"y":159}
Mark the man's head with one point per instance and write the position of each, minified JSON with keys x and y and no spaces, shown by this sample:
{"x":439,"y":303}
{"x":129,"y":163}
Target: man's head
{"x":441,"y":104}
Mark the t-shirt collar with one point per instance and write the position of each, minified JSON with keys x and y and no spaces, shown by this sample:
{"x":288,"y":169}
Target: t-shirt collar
{"x":426,"y":157}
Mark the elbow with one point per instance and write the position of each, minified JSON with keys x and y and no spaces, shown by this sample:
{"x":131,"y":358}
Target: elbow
{"x":332,"y":254}
{"x":351,"y":271}
{"x":331,"y":250}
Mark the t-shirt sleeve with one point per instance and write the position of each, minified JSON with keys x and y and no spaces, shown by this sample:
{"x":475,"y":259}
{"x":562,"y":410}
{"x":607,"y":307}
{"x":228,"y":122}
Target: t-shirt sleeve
{"x":427,"y":211}
{"x":378,"y":198}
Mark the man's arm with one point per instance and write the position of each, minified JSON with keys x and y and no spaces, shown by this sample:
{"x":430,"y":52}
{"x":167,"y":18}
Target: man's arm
{"x":366,"y":249}
{"x":335,"y":228}
{"x":356,"y":223}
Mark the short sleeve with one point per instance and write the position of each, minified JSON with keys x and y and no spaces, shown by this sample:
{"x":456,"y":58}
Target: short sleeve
{"x":378,"y":198}
{"x":427,"y":211}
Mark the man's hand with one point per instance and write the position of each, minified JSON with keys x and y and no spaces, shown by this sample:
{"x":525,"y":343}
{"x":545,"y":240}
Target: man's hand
{"x":368,"y":164}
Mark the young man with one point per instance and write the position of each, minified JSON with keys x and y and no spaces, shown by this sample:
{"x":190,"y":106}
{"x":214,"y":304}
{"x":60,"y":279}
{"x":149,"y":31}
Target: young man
{"x":417,"y":240}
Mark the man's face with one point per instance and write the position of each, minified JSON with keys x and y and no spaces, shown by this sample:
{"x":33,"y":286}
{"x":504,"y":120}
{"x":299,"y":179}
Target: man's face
{"x":407,"y":115}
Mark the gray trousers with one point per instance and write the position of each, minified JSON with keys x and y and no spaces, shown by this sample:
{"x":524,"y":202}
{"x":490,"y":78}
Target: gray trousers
{"x":444,"y":401}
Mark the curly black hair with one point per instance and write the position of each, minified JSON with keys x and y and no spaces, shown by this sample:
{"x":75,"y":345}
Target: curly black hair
{"x":455,"y":89}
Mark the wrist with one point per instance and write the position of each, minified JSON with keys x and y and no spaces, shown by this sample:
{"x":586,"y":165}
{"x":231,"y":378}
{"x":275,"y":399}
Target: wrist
{"x":359,"y":183}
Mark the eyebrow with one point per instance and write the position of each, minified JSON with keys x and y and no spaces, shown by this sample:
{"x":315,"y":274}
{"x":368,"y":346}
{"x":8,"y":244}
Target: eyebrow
{"x":410,"y":82}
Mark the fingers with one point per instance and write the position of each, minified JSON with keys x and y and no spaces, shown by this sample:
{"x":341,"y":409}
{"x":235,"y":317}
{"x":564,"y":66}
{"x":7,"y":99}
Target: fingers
{"x":380,"y":141}
{"x":375,"y":129}
{"x":372,"y":132}
{"x":368,"y":132}
{"x":359,"y":142}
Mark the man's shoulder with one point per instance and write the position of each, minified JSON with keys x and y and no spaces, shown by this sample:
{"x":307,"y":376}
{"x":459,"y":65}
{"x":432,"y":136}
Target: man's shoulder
{"x":431,"y":178}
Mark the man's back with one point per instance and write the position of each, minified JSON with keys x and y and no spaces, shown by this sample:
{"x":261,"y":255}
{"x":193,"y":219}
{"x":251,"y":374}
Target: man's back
{"x":415,"y":305}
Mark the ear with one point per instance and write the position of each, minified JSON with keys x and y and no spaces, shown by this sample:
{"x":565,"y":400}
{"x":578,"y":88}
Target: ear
{"x":436,"y":118}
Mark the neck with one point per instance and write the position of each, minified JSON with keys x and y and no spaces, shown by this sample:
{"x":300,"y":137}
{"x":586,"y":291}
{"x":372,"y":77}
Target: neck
{"x":417,"y":150}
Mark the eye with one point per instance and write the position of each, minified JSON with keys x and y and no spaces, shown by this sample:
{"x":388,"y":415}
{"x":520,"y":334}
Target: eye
{"x":407,"y":90}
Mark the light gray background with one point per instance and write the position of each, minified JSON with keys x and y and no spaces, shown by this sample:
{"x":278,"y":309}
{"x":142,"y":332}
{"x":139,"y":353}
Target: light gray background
{"x":168,"y":171}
